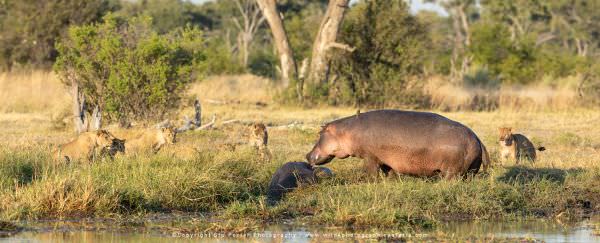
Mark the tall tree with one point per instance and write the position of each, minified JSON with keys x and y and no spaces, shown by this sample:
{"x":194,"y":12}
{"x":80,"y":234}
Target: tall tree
{"x":520,"y":16}
{"x":249,"y":22}
{"x":326,"y":39}
{"x":578,"y":24}
{"x":286,"y":57}
{"x":460,"y":14}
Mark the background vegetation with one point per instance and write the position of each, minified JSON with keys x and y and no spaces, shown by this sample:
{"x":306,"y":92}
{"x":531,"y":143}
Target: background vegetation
{"x":470,"y":47}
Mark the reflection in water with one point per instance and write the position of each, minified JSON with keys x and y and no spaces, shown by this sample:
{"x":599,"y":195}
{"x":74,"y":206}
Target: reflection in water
{"x":545,"y":230}
{"x":548,"y":231}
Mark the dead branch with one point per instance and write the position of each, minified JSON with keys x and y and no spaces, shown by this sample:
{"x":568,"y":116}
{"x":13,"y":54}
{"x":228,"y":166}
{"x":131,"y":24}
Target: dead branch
{"x":230,"y":121}
{"x":208,"y":125}
{"x":187,"y":125}
{"x":163,"y":124}
{"x":198,"y":115}
{"x":342,"y":46}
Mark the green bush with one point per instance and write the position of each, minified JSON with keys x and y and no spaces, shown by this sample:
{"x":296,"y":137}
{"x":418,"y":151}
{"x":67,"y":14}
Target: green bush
{"x":512,"y":62}
{"x":30,"y":28}
{"x":128,"y":69}
{"x":263,"y":63}
{"x":390,"y":45}
{"x":221,"y":59}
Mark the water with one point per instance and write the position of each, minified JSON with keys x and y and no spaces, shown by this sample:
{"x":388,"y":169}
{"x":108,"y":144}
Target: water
{"x":538,"y":230}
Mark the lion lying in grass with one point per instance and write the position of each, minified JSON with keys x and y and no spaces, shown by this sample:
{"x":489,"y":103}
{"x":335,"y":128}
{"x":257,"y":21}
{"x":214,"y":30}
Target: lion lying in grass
{"x":85,"y":147}
{"x":151,"y":140}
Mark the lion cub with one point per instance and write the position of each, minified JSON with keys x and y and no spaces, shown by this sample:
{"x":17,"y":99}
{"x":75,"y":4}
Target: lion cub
{"x":259,"y":139}
{"x":85,"y":147}
{"x":151,"y":140}
{"x":516,"y":146}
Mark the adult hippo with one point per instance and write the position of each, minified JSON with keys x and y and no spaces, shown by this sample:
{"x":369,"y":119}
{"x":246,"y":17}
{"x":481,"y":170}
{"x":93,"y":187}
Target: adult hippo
{"x":407,"y":142}
{"x":291,"y":175}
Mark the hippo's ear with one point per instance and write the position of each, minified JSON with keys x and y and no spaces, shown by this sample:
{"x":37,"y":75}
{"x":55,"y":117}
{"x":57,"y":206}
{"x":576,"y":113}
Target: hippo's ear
{"x":324,"y":128}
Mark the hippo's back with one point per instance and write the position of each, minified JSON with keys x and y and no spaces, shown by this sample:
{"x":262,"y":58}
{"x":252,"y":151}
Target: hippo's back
{"x":412,"y":125}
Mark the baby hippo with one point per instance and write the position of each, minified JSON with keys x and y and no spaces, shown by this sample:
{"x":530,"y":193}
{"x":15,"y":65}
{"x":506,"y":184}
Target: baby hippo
{"x":291,"y":175}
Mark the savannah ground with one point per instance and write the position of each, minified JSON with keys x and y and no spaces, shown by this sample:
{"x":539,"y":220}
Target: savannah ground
{"x":214,"y":176}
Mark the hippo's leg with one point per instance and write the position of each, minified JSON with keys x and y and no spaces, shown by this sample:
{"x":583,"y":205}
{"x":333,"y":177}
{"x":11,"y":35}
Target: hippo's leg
{"x":373,"y":167}
{"x":385,"y":169}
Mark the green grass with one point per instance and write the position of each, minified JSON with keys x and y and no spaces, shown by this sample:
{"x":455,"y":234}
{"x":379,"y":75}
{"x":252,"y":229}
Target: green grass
{"x":230,"y":185}
{"x":203,"y":173}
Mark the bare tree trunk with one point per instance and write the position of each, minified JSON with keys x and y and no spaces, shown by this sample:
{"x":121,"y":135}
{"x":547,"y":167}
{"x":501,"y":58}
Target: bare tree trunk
{"x":581,"y":46}
{"x":457,"y":50}
{"x":301,"y":78}
{"x":286,"y":57}
{"x":462,"y":41}
{"x":251,"y":21}
{"x":465,"y":24}
{"x":326,"y":38}
{"x":79,"y":119}
{"x":96,"y":119}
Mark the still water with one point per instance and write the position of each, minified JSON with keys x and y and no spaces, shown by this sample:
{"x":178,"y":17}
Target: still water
{"x":531,"y":230}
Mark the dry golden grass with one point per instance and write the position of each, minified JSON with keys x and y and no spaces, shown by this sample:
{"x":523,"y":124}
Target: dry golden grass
{"x":566,"y":131}
{"x":32,"y":92}
{"x":234,"y":88}
{"x":541,"y":97}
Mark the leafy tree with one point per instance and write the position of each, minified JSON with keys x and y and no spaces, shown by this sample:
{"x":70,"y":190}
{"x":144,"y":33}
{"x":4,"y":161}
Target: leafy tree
{"x":491,"y":47}
{"x":30,"y":27}
{"x":166,"y":15}
{"x":522,"y":17}
{"x":439,"y":53}
{"x":390,"y":44}
{"x":127,"y":68}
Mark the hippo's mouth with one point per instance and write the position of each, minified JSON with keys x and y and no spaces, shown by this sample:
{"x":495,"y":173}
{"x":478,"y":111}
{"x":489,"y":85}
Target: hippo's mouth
{"x":323,"y":160}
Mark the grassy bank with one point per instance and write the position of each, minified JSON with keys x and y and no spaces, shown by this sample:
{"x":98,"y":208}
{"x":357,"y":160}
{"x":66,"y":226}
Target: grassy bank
{"x":215,"y":173}
{"x":202,"y":173}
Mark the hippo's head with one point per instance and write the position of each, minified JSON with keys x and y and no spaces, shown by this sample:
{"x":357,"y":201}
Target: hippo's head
{"x":329,"y":146}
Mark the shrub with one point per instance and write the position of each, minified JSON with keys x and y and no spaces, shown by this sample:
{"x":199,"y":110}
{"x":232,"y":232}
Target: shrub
{"x":221,"y":60}
{"x":390,"y":45}
{"x":127,"y":69}
{"x":30,"y":28}
{"x":513,"y":62}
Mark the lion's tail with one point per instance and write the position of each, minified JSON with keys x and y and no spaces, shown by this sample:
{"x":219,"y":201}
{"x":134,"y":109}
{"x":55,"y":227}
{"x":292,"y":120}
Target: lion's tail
{"x":541,"y":148}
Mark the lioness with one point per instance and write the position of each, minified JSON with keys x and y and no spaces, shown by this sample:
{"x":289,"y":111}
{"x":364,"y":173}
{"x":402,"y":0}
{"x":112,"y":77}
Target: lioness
{"x":259,"y":136}
{"x":85,"y":146}
{"x":259,"y":139}
{"x":151,"y":140}
{"x":516,"y":146}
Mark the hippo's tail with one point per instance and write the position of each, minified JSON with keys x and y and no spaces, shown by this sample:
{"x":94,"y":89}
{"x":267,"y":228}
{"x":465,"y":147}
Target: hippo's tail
{"x":485,"y":157}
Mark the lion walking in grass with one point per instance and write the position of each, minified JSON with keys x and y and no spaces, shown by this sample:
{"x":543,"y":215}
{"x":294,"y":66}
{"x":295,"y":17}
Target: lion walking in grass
{"x":259,"y":139}
{"x":516,"y":146}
